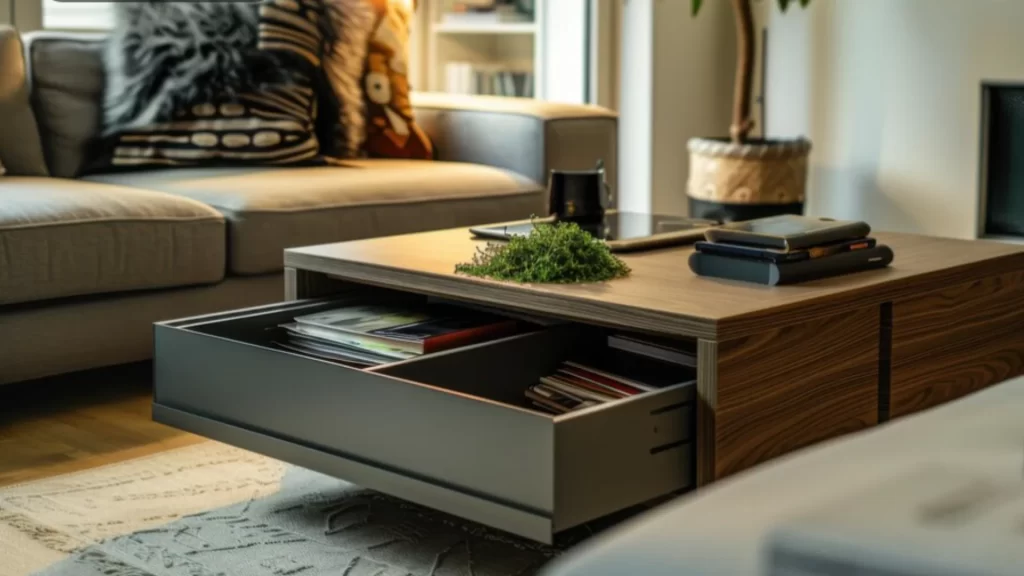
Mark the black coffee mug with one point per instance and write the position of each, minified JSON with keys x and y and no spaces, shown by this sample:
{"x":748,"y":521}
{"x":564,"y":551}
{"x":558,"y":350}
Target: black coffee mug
{"x":578,"y":196}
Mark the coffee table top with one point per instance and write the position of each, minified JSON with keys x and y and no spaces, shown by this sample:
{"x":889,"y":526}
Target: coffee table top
{"x":661,"y":295}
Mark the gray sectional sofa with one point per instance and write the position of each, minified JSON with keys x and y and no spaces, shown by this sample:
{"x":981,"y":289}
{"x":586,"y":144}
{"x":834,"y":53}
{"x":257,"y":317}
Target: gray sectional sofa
{"x":87,"y":265}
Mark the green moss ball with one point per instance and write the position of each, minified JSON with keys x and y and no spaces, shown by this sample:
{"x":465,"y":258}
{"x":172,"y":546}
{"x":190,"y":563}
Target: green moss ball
{"x":560,"y":253}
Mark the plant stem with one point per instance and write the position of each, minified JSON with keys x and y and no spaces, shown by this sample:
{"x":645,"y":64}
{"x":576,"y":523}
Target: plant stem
{"x":742,"y":123}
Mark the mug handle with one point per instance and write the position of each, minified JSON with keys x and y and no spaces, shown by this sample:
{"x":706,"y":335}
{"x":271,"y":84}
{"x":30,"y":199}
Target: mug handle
{"x":604,"y":183}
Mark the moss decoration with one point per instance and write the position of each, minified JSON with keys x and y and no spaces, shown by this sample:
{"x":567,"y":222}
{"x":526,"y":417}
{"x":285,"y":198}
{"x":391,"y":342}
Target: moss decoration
{"x":561,"y":253}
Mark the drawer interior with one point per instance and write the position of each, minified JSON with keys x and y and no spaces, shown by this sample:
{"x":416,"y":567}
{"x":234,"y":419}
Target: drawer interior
{"x":260,"y":326}
{"x":499,"y":370}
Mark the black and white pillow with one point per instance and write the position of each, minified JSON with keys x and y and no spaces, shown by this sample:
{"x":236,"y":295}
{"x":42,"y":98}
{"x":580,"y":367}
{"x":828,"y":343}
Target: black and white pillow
{"x":217,"y":83}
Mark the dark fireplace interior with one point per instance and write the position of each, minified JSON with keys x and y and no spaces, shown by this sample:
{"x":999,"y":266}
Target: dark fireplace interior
{"x":1003,"y":160}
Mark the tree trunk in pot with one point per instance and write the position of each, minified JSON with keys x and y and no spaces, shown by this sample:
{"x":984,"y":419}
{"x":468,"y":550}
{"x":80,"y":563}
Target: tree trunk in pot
{"x":758,"y":178}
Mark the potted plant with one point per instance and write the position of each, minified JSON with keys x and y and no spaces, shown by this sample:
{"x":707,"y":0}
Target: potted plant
{"x":739,"y":177}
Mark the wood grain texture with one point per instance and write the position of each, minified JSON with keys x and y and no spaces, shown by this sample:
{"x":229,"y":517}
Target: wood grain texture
{"x":70,"y":423}
{"x":956,"y":340}
{"x":662,"y":295}
{"x":706,"y":407}
{"x":791,"y":386}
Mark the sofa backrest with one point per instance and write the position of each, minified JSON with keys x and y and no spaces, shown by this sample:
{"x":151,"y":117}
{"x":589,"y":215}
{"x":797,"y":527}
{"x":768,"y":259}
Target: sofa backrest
{"x":20,"y":150}
{"x":65,"y":73}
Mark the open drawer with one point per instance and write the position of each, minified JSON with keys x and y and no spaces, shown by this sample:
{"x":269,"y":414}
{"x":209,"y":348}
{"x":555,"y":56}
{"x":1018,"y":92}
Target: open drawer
{"x":449,"y":430}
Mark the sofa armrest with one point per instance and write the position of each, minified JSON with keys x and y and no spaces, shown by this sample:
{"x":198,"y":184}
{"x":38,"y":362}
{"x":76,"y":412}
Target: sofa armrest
{"x":527,"y":136}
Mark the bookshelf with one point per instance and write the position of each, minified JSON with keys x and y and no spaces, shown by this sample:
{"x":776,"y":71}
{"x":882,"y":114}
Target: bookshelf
{"x":496,"y":53}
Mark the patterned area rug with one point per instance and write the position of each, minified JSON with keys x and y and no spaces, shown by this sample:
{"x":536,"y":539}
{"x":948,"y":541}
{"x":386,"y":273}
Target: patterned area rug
{"x":213,"y":510}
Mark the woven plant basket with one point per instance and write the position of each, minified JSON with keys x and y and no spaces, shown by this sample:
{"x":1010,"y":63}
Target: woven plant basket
{"x":751,"y":180}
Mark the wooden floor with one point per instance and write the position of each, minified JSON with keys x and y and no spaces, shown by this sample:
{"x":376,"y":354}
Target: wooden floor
{"x":71,"y":423}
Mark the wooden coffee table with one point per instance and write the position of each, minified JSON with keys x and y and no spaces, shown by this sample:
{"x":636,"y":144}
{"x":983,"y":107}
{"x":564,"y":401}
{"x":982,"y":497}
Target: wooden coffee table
{"x":778,"y":369}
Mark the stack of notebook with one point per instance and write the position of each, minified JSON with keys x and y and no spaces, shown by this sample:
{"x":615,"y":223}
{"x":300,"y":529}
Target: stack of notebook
{"x":788,"y":249}
{"x":576,"y":386}
{"x":374,"y":335}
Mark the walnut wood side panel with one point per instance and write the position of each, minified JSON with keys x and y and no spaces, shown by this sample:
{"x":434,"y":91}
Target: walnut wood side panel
{"x":707,"y":404}
{"x":953,"y":341}
{"x":791,"y":386}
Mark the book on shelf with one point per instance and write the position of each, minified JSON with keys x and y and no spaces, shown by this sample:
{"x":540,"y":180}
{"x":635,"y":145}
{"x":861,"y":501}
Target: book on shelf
{"x":487,"y":80}
{"x":477,"y":14}
{"x":374,"y":335}
{"x":485,"y":18}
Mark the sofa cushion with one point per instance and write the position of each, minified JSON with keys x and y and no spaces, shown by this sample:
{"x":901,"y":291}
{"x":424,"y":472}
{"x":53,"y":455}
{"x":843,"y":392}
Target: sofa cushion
{"x":67,"y":238}
{"x":270,"y":209}
{"x":66,"y":74}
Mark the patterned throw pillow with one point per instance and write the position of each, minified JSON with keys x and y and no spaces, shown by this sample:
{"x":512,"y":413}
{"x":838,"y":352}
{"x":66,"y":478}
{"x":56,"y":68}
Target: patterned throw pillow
{"x":367,"y":67}
{"x":213,"y":83}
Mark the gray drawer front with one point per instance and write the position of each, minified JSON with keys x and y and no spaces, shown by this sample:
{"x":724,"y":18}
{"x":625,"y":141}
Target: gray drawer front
{"x":536,"y":526}
{"x":607,"y":457}
{"x":478,"y":447}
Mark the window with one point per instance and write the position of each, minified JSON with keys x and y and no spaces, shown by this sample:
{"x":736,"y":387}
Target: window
{"x":78,"y":15}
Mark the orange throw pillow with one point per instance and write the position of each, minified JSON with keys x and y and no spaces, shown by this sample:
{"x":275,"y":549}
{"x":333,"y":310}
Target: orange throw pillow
{"x":367,"y":68}
{"x":391,"y":129}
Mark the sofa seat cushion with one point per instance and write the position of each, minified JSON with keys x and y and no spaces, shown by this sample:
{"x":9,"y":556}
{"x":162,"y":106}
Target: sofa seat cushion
{"x":63,"y":238}
{"x":270,"y":209}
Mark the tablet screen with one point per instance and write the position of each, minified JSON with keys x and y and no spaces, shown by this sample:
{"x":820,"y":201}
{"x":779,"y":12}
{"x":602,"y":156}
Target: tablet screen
{"x":619,"y":226}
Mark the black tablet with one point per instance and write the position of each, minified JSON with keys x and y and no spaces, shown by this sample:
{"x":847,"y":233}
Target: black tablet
{"x":623,"y":231}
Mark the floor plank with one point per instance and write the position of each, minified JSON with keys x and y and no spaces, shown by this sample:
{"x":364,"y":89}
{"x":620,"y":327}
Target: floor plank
{"x":70,"y":423}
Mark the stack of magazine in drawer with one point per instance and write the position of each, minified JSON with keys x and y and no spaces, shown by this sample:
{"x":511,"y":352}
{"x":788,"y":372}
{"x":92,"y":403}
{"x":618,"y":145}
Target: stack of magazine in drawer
{"x":629,"y":366}
{"x":371,"y":335}
{"x":597,"y":367}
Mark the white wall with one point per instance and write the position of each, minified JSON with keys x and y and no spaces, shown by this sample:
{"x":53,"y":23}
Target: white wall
{"x":26,"y":15}
{"x":605,"y":38}
{"x":636,"y":108}
{"x":676,"y":83}
{"x":889,"y":91}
